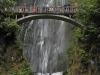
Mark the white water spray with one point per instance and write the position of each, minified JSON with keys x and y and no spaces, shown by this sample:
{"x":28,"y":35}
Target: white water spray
{"x":45,"y":43}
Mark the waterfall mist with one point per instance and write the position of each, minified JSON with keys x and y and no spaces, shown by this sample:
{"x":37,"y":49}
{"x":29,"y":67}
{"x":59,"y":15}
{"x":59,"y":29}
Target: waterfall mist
{"x":45,"y":41}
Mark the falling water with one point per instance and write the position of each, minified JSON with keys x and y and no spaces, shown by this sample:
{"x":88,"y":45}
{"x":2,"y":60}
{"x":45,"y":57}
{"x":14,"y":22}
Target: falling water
{"x":45,"y":42}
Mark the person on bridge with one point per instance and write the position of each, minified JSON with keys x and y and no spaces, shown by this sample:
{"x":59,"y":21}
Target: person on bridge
{"x":65,"y":5}
{"x":20,"y":10}
{"x":24,"y":7}
{"x":75,"y":5}
{"x":44,"y":8}
{"x":34,"y":10}
{"x":67,"y":8}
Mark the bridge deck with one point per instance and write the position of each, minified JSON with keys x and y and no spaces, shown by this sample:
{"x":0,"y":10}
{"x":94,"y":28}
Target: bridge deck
{"x":26,"y":13}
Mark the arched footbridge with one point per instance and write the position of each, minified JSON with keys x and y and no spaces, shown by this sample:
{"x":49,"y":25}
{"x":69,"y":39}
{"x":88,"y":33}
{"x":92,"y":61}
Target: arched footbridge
{"x":27,"y":13}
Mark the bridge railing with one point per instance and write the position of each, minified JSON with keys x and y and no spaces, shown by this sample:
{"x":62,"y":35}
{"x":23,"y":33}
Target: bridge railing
{"x":32,"y":9}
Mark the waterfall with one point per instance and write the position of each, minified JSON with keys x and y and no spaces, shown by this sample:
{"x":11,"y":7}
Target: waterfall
{"x":45,"y":42}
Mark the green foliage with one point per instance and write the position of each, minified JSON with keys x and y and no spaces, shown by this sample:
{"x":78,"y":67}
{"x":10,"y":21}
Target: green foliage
{"x":70,"y":49}
{"x":78,"y":33}
{"x":15,"y":72}
{"x":84,"y":57}
{"x":88,"y":43}
{"x":23,"y":69}
{"x":10,"y":26}
{"x":85,"y":9}
{"x":9,"y":30}
{"x":6,"y":4}
{"x":9,"y":43}
{"x":26,"y":71}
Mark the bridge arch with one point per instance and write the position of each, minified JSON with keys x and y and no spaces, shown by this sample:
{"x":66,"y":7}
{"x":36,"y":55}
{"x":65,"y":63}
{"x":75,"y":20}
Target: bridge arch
{"x":48,"y":16}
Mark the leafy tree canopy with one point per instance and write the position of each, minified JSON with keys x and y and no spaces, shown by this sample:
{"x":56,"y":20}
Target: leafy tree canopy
{"x":8,"y":27}
{"x":87,"y":48}
{"x":86,"y":10}
{"x":6,"y":4}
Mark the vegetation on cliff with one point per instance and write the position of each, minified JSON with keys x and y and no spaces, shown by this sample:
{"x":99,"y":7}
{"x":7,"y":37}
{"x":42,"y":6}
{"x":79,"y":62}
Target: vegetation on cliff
{"x":12,"y":61}
{"x":85,"y":52}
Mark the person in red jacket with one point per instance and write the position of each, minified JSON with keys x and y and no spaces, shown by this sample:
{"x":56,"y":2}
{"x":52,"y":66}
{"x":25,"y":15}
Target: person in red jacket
{"x":75,"y":5}
{"x":34,"y":10}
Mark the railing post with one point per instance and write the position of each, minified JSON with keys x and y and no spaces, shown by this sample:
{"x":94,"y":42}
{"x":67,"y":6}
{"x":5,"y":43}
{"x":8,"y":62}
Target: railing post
{"x":40,"y":9}
{"x":30,"y":9}
{"x":71,"y":9}
{"x":17,"y":9}
{"x":70,"y":16}
{"x":63,"y":9}
{"x":23,"y":16}
{"x":46,"y":9}
{"x":68,"y":8}
{"x":37,"y":10}
{"x":16,"y":17}
{"x":75,"y":9}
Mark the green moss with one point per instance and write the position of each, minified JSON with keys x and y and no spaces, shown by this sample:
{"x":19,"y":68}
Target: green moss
{"x":12,"y":62}
{"x":21,"y":69}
